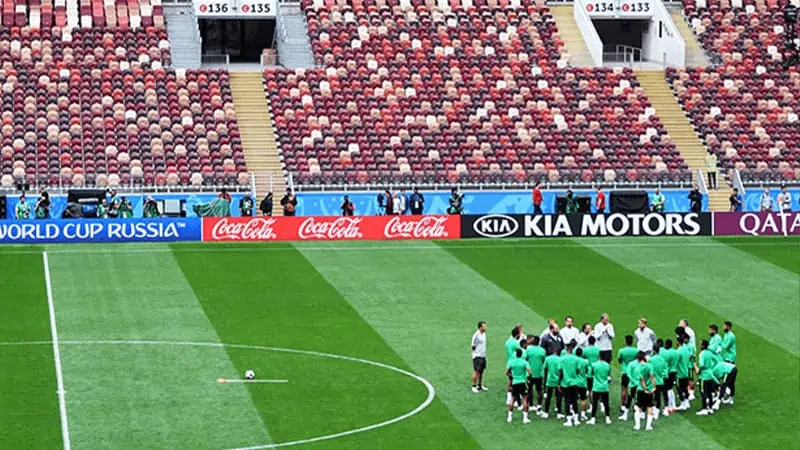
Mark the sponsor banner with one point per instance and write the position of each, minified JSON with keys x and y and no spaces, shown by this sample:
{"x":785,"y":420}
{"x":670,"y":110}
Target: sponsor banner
{"x":326,"y":228}
{"x":99,"y":230}
{"x":573,"y":225}
{"x":756,"y":224}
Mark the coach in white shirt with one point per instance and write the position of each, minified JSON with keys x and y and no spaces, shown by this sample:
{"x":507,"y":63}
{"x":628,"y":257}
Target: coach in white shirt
{"x":689,"y":332}
{"x":583,"y":336}
{"x":645,"y":337}
{"x":603,"y":335}
{"x":569,"y":333}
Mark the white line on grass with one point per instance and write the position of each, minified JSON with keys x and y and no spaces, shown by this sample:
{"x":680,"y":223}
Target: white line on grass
{"x":62,"y":401}
{"x":413,"y":412}
{"x":236,"y":380}
{"x":391,"y":246}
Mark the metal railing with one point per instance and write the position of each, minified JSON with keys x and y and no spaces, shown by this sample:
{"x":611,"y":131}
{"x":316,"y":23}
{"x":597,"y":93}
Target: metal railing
{"x":500,"y":186}
{"x":737,"y":181}
{"x":701,"y":182}
{"x":216,"y":59}
{"x":625,"y":54}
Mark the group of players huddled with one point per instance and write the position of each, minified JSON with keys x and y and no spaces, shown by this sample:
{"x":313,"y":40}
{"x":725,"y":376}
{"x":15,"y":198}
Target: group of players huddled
{"x":573,"y":368}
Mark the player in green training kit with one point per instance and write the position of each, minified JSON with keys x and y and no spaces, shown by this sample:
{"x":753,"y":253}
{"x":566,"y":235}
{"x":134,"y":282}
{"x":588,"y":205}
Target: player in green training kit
{"x":670,"y":355}
{"x":714,"y":340}
{"x":519,"y":371}
{"x":645,"y":388}
{"x":684,"y":366}
{"x":729,"y":343}
{"x":705,"y":370}
{"x":535,"y":356}
{"x":625,"y":356}
{"x":570,"y":366}
{"x":660,"y":372}
{"x":591,"y":353}
{"x":512,"y":345}
{"x":633,"y":384}
{"x":552,"y":380}
{"x":600,"y":372}
{"x":726,"y":373}
{"x":583,"y":374}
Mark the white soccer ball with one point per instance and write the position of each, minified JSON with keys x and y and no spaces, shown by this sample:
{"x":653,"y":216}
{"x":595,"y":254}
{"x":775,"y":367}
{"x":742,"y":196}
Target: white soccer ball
{"x":250,"y":375}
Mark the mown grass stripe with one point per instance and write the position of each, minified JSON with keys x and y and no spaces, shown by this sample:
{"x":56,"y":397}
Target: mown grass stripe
{"x":426,"y":305}
{"x":277,"y":298}
{"x":29,"y":417}
{"x":782,"y":252}
{"x":583,"y":283}
{"x":733,"y":284}
{"x":125,"y":396}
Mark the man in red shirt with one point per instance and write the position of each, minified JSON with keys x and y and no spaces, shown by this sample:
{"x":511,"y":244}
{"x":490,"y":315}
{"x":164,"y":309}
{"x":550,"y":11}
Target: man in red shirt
{"x":600,"y":201}
{"x":537,"y":199}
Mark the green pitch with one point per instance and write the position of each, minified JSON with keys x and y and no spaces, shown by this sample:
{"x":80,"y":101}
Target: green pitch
{"x":358,"y":330}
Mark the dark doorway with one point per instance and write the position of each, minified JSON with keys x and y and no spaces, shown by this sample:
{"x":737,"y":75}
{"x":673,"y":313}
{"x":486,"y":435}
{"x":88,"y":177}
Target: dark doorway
{"x":615,"y":33}
{"x":242,"y":39}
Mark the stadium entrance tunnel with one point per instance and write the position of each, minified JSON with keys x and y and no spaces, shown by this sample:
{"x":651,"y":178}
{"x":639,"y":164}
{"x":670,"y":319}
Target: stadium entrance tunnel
{"x":244,"y":40}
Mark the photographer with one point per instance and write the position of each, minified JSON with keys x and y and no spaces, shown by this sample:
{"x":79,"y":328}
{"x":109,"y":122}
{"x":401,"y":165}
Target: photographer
{"x":695,"y":200}
{"x":42,"y":208}
{"x":572,"y":203}
{"x":125,"y":209}
{"x":266,"y":205}
{"x":347,"y":206}
{"x":456,"y":200}
{"x":417,"y":202}
{"x":246,"y":205}
{"x":113,"y":204}
{"x":22,"y":211}
{"x":289,"y":203}
{"x":150,"y":208}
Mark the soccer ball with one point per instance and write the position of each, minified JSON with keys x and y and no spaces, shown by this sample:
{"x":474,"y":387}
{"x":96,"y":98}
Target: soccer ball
{"x":250,"y":375}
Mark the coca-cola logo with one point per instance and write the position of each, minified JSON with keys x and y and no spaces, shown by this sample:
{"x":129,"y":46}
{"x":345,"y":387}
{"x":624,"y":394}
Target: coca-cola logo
{"x":427,"y":227}
{"x":257,"y":229}
{"x":341,"y":228}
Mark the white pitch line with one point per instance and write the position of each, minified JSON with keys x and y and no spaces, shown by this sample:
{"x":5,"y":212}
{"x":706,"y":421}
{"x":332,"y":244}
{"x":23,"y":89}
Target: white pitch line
{"x":62,"y":401}
{"x":227,"y":380}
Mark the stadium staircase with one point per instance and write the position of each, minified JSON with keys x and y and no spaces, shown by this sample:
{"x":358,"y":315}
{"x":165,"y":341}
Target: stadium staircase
{"x":695,"y":55}
{"x":184,"y":36}
{"x":294,"y":47}
{"x":569,"y":32}
{"x":258,"y":136}
{"x":678,"y":127}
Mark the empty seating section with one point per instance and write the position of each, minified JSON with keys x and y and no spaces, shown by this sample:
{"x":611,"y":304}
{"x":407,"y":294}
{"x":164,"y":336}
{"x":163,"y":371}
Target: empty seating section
{"x":746,"y":109}
{"x":415,"y":93}
{"x":111,"y":127}
{"x":87,"y":100}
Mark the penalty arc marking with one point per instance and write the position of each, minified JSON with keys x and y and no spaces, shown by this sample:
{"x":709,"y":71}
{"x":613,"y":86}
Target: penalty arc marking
{"x":428,"y":400}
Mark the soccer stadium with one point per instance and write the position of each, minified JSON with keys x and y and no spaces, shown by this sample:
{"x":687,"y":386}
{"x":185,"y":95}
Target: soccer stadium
{"x":399,"y":224}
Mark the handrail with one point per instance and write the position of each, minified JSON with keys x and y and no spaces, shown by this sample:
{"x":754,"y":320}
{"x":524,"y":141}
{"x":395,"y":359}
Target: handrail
{"x":737,"y":181}
{"x":701,"y":182}
{"x":370,"y":187}
{"x":589,"y":33}
{"x":122,"y":189}
{"x":224,"y":59}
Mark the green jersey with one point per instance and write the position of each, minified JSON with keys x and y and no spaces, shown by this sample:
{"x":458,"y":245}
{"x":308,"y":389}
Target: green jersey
{"x":706,"y":366}
{"x":645,"y":374}
{"x":729,"y":347}
{"x":684,"y":361}
{"x":101,"y":212}
{"x":570,"y":365}
{"x":519,"y":370}
{"x":625,"y":355}
{"x":600,"y":370}
{"x":535,"y":356}
{"x":512,"y":345}
{"x":552,"y":368}
{"x":670,"y":355}
{"x":592,"y":355}
{"x":722,"y":369}
{"x":583,"y":372}
{"x":659,"y":365}
{"x":22,"y":211}
{"x":715,"y":344}
{"x":633,"y":378}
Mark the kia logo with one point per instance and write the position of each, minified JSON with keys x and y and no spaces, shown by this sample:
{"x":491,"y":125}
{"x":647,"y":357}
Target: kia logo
{"x":495,"y":226}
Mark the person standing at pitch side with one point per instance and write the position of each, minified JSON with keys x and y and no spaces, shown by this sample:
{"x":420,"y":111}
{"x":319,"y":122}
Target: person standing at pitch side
{"x":603,"y":335}
{"x":479,"y":357}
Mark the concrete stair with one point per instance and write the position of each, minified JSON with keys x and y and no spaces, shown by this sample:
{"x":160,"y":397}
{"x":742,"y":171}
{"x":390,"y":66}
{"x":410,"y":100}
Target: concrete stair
{"x":680,"y":129}
{"x":294,"y":52}
{"x":569,"y":32}
{"x":184,"y":36}
{"x":258,"y":137}
{"x":695,"y":55}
